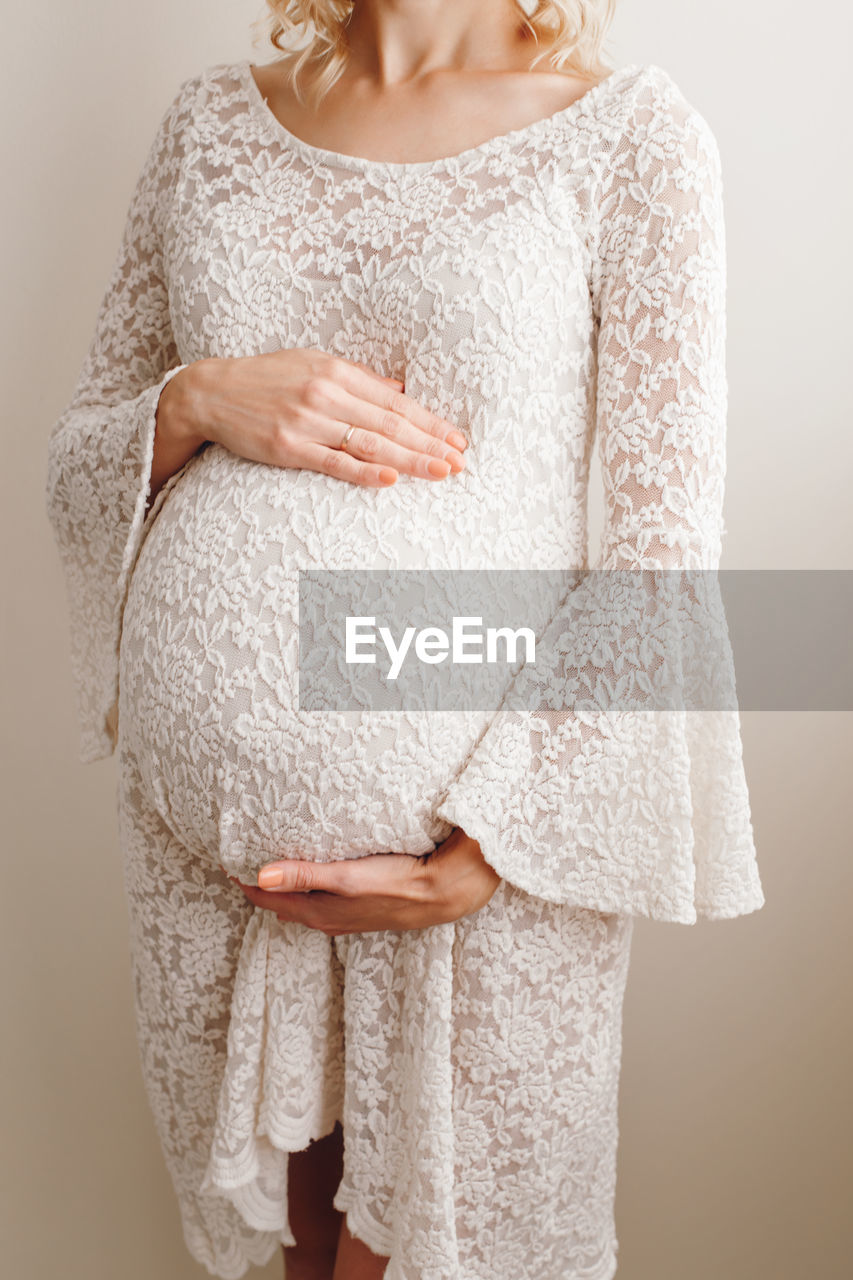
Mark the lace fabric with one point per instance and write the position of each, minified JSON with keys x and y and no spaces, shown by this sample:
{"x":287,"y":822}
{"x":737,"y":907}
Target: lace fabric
{"x":559,"y":285}
{"x":660,"y":793}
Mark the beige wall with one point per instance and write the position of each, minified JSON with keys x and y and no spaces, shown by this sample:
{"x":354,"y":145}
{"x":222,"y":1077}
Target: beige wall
{"x":737,"y":1055}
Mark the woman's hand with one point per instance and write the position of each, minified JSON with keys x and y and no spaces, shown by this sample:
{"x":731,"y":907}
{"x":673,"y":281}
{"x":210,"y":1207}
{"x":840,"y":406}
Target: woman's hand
{"x":291,"y":408}
{"x":393,"y":891}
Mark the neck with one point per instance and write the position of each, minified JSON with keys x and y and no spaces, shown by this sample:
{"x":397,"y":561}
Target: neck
{"x":394,"y":41}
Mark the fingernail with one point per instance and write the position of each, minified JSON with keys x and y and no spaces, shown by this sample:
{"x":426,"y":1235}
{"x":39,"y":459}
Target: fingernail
{"x":457,"y":462}
{"x":438,"y":467}
{"x":457,"y":440}
{"x":387,"y":476}
{"x":270,"y":879}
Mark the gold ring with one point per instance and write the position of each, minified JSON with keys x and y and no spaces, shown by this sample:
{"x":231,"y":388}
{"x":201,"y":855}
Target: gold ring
{"x":347,"y":435}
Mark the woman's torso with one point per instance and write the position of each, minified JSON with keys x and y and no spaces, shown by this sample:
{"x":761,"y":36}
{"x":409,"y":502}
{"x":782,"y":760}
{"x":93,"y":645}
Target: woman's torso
{"x":469,"y":278}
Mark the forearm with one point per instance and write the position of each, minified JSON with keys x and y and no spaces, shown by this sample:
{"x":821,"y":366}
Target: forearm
{"x":178,"y":434}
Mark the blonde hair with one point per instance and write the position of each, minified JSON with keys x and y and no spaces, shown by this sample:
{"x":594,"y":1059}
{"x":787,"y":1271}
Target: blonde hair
{"x":570,"y":34}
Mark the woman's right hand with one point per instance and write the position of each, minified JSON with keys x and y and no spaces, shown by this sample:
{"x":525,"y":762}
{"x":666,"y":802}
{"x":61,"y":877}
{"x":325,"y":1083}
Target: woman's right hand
{"x":291,"y":408}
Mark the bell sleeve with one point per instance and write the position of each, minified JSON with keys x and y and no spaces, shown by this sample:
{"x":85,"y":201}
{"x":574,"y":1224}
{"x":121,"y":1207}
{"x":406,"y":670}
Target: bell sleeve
{"x":584,"y":788}
{"x":100,"y":449}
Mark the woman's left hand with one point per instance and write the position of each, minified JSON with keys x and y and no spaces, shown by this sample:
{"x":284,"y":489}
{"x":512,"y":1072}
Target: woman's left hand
{"x":394,"y":891}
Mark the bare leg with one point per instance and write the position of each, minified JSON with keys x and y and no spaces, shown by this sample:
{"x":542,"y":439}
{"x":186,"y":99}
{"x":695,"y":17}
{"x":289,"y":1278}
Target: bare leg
{"x":313,"y":1178}
{"x":355,"y":1261}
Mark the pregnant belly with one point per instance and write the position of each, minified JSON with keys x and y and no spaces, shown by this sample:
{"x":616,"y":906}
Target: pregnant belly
{"x":208,"y":681}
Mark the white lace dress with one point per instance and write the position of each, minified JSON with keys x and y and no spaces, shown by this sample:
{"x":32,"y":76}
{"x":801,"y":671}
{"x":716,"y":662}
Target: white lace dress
{"x":558,"y":284}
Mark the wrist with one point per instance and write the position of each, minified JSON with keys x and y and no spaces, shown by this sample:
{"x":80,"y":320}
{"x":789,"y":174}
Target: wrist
{"x":180,"y":408}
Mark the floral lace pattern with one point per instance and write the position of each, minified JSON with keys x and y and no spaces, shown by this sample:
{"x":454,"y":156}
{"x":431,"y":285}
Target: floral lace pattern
{"x":559,"y":285}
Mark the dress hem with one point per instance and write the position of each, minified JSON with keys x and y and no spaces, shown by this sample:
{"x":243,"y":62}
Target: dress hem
{"x":362,"y":1224}
{"x":236,"y":1179}
{"x":236,"y":1263}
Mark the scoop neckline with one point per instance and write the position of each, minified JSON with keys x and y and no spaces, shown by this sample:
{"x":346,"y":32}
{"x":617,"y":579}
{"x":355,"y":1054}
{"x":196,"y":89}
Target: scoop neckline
{"x":258,"y":104}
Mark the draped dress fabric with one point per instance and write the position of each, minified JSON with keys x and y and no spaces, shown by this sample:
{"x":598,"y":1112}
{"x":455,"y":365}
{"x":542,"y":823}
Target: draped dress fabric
{"x":558,"y":288}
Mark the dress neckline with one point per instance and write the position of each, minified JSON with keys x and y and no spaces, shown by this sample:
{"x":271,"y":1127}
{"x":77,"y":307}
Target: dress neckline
{"x":536,"y":128}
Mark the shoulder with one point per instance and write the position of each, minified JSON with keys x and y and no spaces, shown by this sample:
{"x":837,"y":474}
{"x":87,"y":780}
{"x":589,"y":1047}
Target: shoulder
{"x":653,"y":122}
{"x":657,"y":179}
{"x":634,"y":129}
{"x":201,"y":97}
{"x":190,"y":122}
{"x":197,"y":121}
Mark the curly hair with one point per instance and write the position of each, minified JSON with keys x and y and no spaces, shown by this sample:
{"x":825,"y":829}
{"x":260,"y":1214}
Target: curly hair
{"x":569,"y":33}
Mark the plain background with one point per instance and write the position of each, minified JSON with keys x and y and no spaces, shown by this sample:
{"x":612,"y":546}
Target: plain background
{"x":735,"y":1100}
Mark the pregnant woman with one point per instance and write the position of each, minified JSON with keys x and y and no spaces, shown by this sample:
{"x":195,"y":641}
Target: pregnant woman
{"x":375,"y":305}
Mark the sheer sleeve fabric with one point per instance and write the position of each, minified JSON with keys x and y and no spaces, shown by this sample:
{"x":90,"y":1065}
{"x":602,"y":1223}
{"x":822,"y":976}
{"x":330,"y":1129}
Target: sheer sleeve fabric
{"x":100,"y":449}
{"x":579,"y":791}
